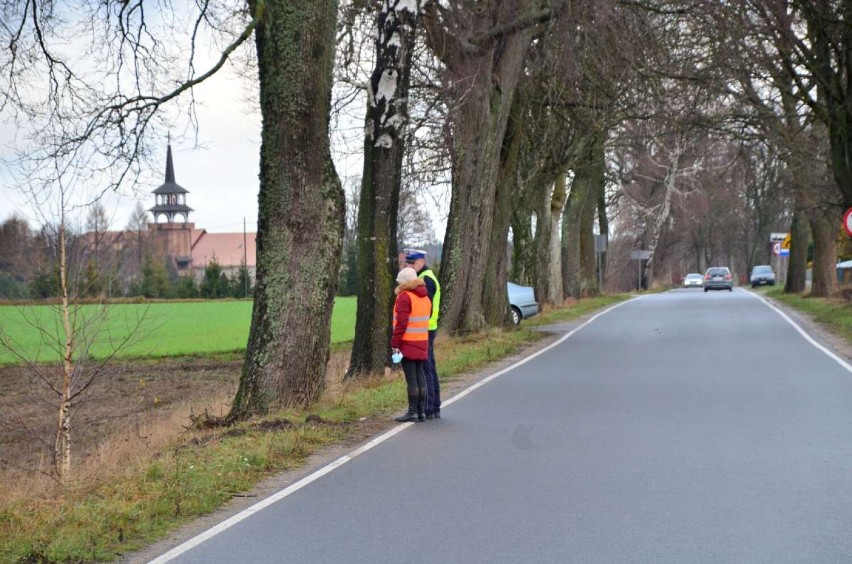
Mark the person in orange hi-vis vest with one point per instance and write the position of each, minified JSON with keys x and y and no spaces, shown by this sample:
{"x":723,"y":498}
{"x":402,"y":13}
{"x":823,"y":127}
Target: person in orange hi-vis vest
{"x":411,"y":312}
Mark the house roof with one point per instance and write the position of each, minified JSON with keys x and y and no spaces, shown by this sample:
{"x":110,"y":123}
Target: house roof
{"x":226,"y":248}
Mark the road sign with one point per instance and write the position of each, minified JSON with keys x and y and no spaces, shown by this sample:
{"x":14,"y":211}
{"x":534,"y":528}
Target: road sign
{"x":785,"y":244}
{"x":847,"y":221}
{"x":777,"y":237}
{"x":776,"y":249}
{"x":643,"y":254}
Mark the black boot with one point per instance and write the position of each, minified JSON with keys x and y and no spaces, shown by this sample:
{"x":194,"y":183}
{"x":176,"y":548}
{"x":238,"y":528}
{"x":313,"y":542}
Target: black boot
{"x":422,"y":396}
{"x":411,"y":414}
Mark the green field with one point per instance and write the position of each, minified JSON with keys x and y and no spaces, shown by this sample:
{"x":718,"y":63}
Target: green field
{"x":164,"y":329}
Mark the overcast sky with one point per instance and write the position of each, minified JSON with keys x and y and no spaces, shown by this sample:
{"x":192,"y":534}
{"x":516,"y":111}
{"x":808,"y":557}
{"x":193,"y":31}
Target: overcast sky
{"x":221,"y":176}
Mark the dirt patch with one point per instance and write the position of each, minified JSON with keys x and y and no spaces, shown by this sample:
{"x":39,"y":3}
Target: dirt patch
{"x":128,"y":399}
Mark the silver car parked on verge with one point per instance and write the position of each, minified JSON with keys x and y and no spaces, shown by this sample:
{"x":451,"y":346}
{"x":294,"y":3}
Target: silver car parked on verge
{"x":522,"y":301}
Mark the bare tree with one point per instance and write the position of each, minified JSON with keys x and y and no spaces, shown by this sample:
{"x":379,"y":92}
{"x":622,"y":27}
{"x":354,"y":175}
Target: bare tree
{"x":483,"y":48}
{"x":80,"y":328}
{"x":378,"y":210}
{"x":101,"y":116}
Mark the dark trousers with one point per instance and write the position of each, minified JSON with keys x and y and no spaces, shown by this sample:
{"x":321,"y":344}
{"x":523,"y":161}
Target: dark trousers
{"x":415,"y":375}
{"x":433,"y":385}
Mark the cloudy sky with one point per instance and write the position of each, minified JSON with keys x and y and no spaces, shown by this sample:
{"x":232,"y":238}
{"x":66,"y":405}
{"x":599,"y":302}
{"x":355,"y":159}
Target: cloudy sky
{"x":221,"y":175}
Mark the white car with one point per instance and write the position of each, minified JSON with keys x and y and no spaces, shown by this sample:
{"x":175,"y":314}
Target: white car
{"x":693,"y":280}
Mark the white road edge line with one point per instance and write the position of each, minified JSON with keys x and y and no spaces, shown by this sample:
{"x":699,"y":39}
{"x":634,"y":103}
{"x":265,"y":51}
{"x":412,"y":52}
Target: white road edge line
{"x":248,"y":512}
{"x":845,"y":365}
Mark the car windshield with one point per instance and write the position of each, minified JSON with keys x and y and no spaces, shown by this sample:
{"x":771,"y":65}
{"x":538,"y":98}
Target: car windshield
{"x":693,"y":276}
{"x":762,"y":270}
{"x":717,"y":271}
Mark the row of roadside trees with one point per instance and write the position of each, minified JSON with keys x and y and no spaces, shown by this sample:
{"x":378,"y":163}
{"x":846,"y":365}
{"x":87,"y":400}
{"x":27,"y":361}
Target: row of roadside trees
{"x":690,"y":129}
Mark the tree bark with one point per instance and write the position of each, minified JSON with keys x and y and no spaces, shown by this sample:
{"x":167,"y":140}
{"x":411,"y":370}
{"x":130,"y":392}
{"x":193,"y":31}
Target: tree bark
{"x":300,"y":211}
{"x":578,"y":243}
{"x":588,"y":260}
{"x":552,"y":271}
{"x":570,"y":246}
{"x":495,"y":297}
{"x":483,"y":87}
{"x":548,"y":254}
{"x":62,"y":447}
{"x":798,"y":261}
{"x":603,"y":227}
{"x":384,"y":145}
{"x":824,"y":230}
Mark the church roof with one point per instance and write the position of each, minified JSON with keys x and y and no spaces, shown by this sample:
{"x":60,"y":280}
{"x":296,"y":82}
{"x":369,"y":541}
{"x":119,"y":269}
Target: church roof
{"x":170,"y":186}
{"x":165,"y":208}
{"x":226,"y":248}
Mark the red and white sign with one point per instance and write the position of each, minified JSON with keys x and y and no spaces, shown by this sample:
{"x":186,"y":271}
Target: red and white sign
{"x":776,"y":249}
{"x":847,"y":221}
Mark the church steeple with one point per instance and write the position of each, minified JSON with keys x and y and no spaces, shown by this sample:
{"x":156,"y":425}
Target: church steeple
{"x":170,"y":167}
{"x":170,"y":197}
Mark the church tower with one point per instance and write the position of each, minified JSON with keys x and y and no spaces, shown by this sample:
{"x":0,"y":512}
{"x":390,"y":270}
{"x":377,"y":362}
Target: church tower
{"x":170,"y":238}
{"x":170,"y":197}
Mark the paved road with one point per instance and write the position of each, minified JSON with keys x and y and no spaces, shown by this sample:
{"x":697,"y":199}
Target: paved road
{"x":678,"y":428}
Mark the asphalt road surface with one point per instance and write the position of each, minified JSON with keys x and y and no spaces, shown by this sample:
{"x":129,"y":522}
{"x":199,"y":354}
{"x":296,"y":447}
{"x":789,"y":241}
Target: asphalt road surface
{"x":676,"y":428}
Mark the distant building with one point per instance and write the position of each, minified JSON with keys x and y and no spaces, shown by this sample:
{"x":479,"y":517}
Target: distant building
{"x":172,"y":237}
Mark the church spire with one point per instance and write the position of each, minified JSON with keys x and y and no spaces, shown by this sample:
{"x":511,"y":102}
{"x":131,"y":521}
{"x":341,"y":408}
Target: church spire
{"x":170,"y":167}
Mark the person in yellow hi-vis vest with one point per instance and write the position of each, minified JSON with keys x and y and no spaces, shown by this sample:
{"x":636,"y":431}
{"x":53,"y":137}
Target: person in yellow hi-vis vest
{"x":411,"y":312}
{"x":416,"y":258}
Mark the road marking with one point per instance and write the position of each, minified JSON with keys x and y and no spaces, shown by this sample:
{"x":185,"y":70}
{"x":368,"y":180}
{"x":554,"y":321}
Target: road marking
{"x":845,"y":365}
{"x":278,"y":496}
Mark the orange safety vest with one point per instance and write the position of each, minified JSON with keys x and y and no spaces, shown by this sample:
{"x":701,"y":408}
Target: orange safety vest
{"x":418,"y":319}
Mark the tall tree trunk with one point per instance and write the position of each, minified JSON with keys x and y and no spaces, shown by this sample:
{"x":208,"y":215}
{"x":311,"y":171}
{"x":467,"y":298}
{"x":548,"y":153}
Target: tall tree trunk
{"x":483,"y":86}
{"x":824,"y":229}
{"x":798,"y":261}
{"x":603,"y":227}
{"x":384,"y":145}
{"x":570,"y":244}
{"x":300,"y":211}
{"x":556,"y":294}
{"x":578,"y":218}
{"x":548,"y":252}
{"x":523,"y":246}
{"x":495,"y":298}
{"x":62,"y":447}
{"x":597,"y":180}
{"x":662,"y":215}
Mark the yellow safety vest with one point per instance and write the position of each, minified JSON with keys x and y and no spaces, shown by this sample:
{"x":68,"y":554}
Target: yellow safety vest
{"x":436,"y":301}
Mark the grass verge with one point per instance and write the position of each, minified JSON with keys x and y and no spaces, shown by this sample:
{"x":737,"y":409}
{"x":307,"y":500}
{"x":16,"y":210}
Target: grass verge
{"x":835,"y":314}
{"x":134,"y":502}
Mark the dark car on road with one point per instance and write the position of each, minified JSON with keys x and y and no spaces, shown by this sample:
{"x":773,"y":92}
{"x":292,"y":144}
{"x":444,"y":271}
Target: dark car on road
{"x":762,"y":274}
{"x":718,"y":278}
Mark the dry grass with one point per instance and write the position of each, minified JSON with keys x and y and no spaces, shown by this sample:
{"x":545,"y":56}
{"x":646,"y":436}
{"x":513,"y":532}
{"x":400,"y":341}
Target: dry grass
{"x":133,"y":440}
{"x":137,"y":480}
